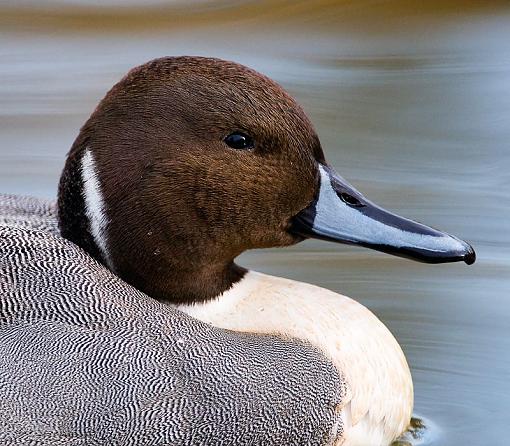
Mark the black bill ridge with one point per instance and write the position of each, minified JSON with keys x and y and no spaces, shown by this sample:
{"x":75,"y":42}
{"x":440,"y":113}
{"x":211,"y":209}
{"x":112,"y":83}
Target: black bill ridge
{"x":341,"y":214}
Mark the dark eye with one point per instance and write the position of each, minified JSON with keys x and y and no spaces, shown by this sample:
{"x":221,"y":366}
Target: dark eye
{"x":350,"y":200}
{"x":239,"y":141}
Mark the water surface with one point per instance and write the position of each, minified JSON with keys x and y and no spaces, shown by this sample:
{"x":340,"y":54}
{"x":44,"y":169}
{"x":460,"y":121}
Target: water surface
{"x":412,"y":104}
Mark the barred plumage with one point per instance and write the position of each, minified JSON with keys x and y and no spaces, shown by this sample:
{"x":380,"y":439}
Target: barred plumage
{"x":85,"y":359}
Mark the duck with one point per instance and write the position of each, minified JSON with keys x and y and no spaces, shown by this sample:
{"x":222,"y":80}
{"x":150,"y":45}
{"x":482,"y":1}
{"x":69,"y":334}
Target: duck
{"x":186,"y":163}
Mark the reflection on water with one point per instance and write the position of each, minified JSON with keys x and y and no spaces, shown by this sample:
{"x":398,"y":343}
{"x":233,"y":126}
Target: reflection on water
{"x":420,"y":432}
{"x":412,"y":105}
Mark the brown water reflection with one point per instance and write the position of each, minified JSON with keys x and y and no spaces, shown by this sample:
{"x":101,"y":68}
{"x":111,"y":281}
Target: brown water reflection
{"x":412,"y":104}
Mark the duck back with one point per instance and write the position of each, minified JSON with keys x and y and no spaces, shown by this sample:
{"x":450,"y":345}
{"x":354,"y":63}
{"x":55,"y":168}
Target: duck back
{"x":86,"y":359}
{"x":29,"y":212}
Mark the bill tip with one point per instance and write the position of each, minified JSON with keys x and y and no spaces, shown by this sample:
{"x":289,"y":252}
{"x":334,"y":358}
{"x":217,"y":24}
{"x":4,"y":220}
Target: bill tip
{"x":470,"y":256}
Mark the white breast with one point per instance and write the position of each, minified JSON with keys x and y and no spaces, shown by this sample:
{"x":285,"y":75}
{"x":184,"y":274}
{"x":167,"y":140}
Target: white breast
{"x":379,"y":405}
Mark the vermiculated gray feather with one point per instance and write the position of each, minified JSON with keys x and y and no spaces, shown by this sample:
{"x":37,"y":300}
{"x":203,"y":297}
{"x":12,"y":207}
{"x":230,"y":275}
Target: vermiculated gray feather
{"x":29,"y":212}
{"x":85,"y":359}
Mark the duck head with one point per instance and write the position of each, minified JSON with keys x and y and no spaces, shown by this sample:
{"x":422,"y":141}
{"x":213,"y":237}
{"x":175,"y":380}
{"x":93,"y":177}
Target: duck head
{"x":188,"y":161}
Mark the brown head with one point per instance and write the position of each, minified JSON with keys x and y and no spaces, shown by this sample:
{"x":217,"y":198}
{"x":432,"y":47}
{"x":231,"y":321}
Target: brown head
{"x":180,"y":203}
{"x":186,"y":163}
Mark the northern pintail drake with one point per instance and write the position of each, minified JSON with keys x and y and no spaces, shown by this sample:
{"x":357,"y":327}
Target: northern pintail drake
{"x":151,"y":333}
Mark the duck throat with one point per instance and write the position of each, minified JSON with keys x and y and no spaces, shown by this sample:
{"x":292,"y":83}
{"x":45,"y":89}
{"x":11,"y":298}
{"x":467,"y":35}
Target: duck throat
{"x":191,"y":287}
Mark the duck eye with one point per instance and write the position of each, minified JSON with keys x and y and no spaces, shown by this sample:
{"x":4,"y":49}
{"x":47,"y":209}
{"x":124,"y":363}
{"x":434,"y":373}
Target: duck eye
{"x":239,"y":141}
{"x":350,"y":200}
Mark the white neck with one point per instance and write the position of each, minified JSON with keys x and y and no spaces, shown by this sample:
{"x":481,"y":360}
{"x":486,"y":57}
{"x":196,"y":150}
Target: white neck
{"x":379,"y":404}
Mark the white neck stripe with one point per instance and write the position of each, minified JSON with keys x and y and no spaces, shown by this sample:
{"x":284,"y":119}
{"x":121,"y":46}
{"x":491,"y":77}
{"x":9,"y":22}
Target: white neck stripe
{"x":94,"y":205}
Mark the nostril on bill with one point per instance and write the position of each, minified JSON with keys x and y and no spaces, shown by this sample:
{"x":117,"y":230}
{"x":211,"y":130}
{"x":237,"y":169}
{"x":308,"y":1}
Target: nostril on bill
{"x":349,"y":199}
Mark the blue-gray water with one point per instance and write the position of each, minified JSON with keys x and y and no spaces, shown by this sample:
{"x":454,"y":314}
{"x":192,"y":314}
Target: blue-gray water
{"x":412,"y":104}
